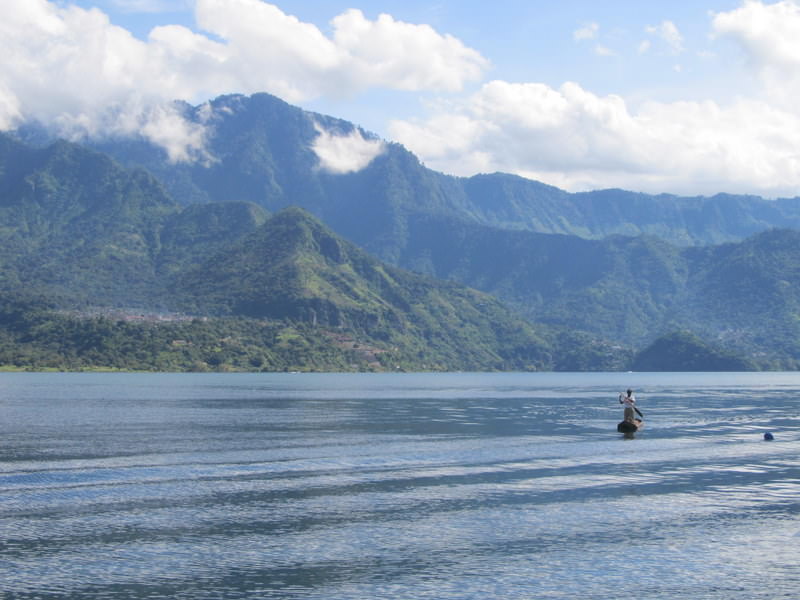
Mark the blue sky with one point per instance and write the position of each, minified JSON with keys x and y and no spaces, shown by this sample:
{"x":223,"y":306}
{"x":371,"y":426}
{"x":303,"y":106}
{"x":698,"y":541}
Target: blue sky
{"x":686,"y":97}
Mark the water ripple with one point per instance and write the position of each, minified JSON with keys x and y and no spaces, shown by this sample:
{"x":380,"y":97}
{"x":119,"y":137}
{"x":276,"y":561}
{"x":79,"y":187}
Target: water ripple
{"x":477,"y":487}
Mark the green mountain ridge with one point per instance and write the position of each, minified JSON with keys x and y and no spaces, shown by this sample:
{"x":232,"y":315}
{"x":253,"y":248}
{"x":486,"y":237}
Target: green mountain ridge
{"x":71,"y":215}
{"x":633,"y":289}
{"x":294,"y":268}
{"x":86,"y":232}
{"x":262,"y":149}
{"x":83,"y":229}
{"x":684,"y":351}
{"x":299,"y":289}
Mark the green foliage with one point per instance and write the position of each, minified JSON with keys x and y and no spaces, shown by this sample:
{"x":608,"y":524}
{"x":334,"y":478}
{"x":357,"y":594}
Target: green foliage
{"x":743,"y":297}
{"x":293,"y":268}
{"x":68,"y":343}
{"x":684,"y":351}
{"x":33,"y":336}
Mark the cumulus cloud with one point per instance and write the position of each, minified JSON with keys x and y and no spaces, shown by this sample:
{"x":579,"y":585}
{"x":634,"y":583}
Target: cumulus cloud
{"x":150,"y":6}
{"x":767,"y":31}
{"x":393,"y":54}
{"x":578,"y":140}
{"x":73,"y":69}
{"x":303,"y":63}
{"x":349,"y":153}
{"x":573,"y":138}
{"x":769,"y":34}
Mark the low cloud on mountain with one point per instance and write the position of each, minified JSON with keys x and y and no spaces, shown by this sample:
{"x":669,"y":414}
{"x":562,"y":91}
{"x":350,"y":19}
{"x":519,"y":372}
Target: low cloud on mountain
{"x":349,"y":153}
{"x":75,"y":71}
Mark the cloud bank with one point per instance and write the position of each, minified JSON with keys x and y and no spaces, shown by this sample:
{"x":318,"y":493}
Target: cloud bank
{"x":573,"y":138}
{"x":577,"y":140}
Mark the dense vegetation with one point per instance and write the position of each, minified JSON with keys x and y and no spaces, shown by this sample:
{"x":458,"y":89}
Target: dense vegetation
{"x":36,"y":336}
{"x":683,"y":351}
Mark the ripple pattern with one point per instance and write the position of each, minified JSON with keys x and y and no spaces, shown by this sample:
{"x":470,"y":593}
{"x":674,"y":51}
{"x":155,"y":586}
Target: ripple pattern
{"x":398,"y":486}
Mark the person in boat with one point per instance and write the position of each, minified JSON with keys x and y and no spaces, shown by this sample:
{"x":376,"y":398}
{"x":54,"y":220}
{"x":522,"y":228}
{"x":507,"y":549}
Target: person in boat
{"x":629,"y":402}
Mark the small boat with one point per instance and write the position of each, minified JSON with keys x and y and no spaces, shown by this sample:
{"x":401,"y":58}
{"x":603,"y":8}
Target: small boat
{"x":628,"y":427}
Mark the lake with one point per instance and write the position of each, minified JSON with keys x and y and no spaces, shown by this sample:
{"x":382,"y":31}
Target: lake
{"x":333,"y":486}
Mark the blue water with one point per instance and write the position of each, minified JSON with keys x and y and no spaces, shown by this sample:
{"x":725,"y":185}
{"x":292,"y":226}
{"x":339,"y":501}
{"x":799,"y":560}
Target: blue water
{"x":398,"y":486}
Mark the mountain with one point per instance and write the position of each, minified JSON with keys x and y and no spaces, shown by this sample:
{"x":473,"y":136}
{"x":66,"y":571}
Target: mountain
{"x":684,"y":351}
{"x":260,"y":150}
{"x":81,"y":228}
{"x":294,"y":268}
{"x":118,"y":225}
{"x":289,"y":294}
{"x":619,"y":288}
{"x":193,"y":233}
{"x":748,"y":294}
{"x":75,"y":223}
{"x":633,"y":290}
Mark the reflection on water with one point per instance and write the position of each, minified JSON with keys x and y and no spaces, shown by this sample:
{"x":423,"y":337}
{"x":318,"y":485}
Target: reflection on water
{"x":401,"y":486}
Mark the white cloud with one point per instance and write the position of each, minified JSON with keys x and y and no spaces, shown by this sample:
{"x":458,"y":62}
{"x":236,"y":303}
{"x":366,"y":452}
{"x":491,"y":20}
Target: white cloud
{"x":668,"y":33}
{"x":393,"y":54}
{"x":151,"y":6}
{"x":587,"y":32}
{"x":769,"y":34}
{"x":73,"y":68}
{"x":182,"y":140}
{"x":302,"y":63}
{"x":578,"y":140}
{"x":601,"y":50}
{"x":10,"y":110}
{"x":349,"y":153}
{"x":77,"y":72}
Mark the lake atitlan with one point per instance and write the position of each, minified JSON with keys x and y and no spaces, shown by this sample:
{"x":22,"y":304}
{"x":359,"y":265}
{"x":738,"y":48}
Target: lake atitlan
{"x":358,"y":486}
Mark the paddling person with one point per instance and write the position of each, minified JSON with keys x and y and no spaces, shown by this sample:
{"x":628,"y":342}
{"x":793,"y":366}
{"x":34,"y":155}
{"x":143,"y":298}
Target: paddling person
{"x":627,"y":399}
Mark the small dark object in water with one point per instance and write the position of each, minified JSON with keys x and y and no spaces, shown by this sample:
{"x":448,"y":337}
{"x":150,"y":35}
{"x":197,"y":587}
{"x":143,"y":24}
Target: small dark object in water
{"x":628,"y":427}
{"x":768,"y":437}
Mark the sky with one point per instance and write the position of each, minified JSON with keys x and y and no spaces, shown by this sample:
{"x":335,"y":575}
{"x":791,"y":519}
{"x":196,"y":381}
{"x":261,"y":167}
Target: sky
{"x":689,"y":97}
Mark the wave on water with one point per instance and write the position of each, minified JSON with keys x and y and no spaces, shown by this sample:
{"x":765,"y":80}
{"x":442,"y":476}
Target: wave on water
{"x":401,"y":486}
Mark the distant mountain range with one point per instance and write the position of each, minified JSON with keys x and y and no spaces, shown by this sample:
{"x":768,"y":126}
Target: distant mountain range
{"x":586,"y":280}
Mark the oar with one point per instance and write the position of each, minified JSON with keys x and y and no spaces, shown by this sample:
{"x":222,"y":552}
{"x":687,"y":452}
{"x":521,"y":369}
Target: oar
{"x":638,"y":412}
